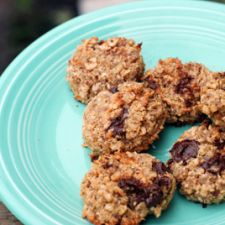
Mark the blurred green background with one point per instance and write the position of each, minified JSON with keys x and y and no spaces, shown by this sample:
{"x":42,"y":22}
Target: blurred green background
{"x":22,"y":21}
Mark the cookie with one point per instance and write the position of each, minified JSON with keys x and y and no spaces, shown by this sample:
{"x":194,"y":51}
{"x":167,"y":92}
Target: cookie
{"x":125,"y":119}
{"x":180,"y":89}
{"x":213,"y":98}
{"x":99,"y":65}
{"x":123,"y":188}
{"x":198,"y":164}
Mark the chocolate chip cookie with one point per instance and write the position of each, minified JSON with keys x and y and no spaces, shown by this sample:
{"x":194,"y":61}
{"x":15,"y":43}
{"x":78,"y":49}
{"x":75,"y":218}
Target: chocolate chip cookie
{"x":99,"y":65}
{"x":123,"y":188}
{"x":180,"y":88}
{"x":126,"y":119}
{"x":198,"y":164}
{"x":213,"y":98}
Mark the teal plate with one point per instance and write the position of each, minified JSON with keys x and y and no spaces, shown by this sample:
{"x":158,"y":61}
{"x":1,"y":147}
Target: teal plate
{"x":42,"y":161}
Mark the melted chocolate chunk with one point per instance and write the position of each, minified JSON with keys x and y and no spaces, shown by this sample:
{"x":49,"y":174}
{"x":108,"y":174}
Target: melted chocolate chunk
{"x":151,"y":83}
{"x":155,"y":196}
{"x":220,"y":144}
{"x":164,"y":181}
{"x":159,"y":167}
{"x":113,"y":90}
{"x":210,"y":163}
{"x":134,"y":191}
{"x":152,"y":195}
{"x":182,"y":86}
{"x":215,"y":164}
{"x":117,"y":123}
{"x":129,"y":184}
{"x":185,"y":150}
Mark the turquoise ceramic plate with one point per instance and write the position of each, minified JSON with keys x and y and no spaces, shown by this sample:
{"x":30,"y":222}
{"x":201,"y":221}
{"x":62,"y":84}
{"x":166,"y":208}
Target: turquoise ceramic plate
{"x":42,"y":162}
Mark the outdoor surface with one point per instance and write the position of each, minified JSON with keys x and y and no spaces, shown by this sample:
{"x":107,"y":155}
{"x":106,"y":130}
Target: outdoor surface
{"x":17,"y":43}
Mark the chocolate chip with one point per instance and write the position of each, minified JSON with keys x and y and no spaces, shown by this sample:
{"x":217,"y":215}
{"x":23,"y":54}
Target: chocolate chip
{"x":151,"y":195}
{"x":152,"y":83}
{"x":133,"y":189}
{"x":113,"y":90}
{"x":118,"y":123}
{"x":215,"y":164}
{"x":204,"y":205}
{"x":129,"y":184}
{"x":164,"y":181}
{"x":159,"y":167}
{"x":182,"y":86}
{"x":185,"y":150}
{"x":211,"y":162}
{"x":220,"y":144}
{"x":204,"y":119}
{"x":155,"y":196}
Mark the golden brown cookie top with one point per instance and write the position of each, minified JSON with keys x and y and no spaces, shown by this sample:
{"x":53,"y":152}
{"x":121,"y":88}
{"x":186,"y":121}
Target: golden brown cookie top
{"x":180,"y":88}
{"x":99,"y":65}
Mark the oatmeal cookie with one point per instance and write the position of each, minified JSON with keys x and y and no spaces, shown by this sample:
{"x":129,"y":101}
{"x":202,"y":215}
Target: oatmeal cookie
{"x":99,"y":65}
{"x":198,"y":164}
{"x":126,"y":119}
{"x":180,"y":89}
{"x":123,"y":188}
{"x":213,"y":98}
